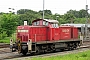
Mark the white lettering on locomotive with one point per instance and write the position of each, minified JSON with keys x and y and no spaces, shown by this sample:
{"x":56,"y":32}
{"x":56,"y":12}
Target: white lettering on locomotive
{"x":22,"y":30}
{"x":65,"y":30}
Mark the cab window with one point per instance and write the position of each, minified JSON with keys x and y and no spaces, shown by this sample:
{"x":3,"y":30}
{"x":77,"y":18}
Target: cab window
{"x":55,"y":25}
{"x":45,"y":23}
{"x":36,"y":23}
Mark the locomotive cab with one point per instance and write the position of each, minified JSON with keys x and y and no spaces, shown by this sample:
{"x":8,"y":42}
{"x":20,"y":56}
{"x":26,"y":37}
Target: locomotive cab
{"x":46,"y":22}
{"x":52,"y":30}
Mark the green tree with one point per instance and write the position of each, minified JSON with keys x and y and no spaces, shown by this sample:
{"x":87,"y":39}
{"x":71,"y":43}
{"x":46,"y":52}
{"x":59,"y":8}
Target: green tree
{"x":82,"y":13}
{"x":46,"y":12}
{"x":74,"y":12}
{"x":9,"y":23}
{"x":68,"y":17}
{"x":78,"y":14}
{"x":23,"y":11}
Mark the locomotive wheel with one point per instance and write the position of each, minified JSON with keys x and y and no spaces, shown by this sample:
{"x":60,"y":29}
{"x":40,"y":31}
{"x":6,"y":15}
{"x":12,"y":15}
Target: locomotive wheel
{"x":75,"y":46}
{"x":62,"y":49}
{"x":54,"y":50}
{"x":37,"y":50}
{"x":24,"y":53}
{"x":69,"y":48}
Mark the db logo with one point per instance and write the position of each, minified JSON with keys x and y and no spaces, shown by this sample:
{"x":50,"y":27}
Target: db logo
{"x":65,"y":30}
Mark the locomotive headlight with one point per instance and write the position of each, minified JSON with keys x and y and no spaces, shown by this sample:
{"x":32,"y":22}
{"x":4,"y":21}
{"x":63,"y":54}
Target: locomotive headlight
{"x":27,"y":43}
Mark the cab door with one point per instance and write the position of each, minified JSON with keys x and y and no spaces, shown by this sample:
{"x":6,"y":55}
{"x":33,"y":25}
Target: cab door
{"x":55,"y":32}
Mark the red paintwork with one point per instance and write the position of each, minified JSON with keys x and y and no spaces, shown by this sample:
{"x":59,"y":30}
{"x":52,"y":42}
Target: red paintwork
{"x":68,"y":32}
{"x":46,"y":33}
{"x":55,"y":34}
{"x":23,"y":36}
{"x":41,"y":33}
{"x":65,"y":32}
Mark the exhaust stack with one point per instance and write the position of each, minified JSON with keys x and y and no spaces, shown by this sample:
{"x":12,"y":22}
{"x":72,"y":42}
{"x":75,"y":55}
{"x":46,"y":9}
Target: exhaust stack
{"x":25,"y":22}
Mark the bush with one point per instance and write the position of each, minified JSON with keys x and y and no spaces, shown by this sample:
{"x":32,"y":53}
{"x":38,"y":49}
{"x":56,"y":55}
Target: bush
{"x":3,"y":35}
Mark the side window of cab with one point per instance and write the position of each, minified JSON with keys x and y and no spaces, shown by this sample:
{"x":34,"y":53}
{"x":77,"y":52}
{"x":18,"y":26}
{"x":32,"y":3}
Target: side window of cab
{"x":37,"y":23}
{"x":55,"y":25}
{"x":45,"y":23}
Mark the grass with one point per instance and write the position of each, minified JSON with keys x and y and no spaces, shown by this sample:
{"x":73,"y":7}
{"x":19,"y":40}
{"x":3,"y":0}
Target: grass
{"x":79,"y":56}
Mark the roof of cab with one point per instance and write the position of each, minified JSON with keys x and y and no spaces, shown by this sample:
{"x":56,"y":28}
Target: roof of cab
{"x":48,"y":20}
{"x":51,"y":21}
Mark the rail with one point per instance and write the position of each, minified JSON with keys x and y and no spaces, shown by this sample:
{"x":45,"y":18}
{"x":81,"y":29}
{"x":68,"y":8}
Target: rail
{"x":3,"y":45}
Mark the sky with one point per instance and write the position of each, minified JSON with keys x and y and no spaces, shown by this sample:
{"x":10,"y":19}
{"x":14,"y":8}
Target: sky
{"x":56,"y":6}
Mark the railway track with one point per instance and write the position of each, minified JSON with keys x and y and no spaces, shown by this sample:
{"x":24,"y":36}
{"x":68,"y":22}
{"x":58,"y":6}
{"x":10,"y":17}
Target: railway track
{"x":86,"y":42}
{"x":5,"y":50}
{"x":3,"y":45}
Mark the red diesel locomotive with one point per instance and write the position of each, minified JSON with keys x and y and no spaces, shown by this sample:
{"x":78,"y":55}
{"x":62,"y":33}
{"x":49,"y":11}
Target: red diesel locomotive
{"x":45,"y":36}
